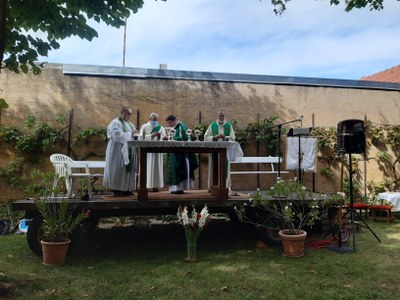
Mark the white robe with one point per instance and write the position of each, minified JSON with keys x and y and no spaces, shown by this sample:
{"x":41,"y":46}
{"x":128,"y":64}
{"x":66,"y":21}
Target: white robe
{"x":208,"y":137}
{"x":155,"y":170}
{"x":116,"y":175}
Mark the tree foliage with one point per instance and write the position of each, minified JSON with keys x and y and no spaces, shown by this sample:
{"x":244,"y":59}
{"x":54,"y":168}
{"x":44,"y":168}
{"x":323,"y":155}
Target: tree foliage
{"x":280,"y":5}
{"x":32,"y":28}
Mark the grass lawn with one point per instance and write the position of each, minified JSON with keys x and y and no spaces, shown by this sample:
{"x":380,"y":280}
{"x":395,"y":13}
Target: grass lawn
{"x":147,"y":263}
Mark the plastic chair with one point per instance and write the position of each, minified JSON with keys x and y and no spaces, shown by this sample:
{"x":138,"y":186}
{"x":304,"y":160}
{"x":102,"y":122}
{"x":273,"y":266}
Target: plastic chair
{"x":63,"y":166}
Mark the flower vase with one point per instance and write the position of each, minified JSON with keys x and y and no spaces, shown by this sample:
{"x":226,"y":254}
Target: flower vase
{"x":191,"y":252}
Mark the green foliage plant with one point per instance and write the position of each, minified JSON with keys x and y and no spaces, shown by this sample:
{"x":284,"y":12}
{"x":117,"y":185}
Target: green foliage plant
{"x":60,"y":217}
{"x":90,"y":132}
{"x":30,"y":29}
{"x":288,"y":201}
{"x":387,"y":139}
{"x":6,"y":213}
{"x":263,"y":132}
{"x":36,"y":137}
{"x":280,"y":5}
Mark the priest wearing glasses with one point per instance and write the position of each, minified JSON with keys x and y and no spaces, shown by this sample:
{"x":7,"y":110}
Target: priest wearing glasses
{"x":120,"y":170}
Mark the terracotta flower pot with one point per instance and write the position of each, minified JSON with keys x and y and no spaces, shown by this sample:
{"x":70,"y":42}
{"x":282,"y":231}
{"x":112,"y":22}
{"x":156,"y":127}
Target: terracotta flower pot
{"x":54,"y":253}
{"x":293,"y":244}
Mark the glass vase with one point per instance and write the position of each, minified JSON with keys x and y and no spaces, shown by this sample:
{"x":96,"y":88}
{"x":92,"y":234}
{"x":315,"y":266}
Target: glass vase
{"x":191,"y":252}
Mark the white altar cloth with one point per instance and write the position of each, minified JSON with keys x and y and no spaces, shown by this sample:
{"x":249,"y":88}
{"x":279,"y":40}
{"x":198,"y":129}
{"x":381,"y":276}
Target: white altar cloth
{"x":393,"y":198}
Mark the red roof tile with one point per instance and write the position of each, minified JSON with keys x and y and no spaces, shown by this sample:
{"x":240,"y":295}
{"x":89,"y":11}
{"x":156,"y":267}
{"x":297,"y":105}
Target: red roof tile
{"x":389,"y":75}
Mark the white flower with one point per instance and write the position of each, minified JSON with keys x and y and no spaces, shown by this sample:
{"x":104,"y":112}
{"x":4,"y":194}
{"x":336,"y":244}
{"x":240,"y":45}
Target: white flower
{"x":203,"y":216}
{"x":184,"y":216}
{"x":341,"y":194}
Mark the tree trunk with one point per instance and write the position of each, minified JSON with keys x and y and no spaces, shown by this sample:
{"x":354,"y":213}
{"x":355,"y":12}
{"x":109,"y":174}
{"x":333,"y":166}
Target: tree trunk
{"x":3,"y":14}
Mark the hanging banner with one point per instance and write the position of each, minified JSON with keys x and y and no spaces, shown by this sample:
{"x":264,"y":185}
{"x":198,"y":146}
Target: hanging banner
{"x":304,"y":156}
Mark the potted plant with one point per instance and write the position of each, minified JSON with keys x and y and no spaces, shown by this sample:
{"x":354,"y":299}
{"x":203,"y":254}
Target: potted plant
{"x":287,"y":208}
{"x":59,"y":217}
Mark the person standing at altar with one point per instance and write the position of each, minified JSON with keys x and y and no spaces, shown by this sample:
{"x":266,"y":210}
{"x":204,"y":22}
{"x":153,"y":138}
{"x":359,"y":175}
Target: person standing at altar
{"x":180,"y":166}
{"x":220,"y":130}
{"x":153,"y":131}
{"x":120,"y":169}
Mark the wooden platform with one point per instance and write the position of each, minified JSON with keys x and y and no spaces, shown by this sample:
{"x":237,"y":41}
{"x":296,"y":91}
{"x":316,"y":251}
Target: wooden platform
{"x":161,"y":202}
{"x":165,"y":195}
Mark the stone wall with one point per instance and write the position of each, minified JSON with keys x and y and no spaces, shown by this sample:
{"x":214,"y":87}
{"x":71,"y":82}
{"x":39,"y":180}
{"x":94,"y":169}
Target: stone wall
{"x":96,"y":99}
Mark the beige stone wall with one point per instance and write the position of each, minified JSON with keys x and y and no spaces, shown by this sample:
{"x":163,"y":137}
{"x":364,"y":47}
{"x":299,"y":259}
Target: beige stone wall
{"x":96,"y":100}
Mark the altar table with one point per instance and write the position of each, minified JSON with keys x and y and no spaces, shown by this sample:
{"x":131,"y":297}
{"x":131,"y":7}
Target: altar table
{"x":218,"y":151}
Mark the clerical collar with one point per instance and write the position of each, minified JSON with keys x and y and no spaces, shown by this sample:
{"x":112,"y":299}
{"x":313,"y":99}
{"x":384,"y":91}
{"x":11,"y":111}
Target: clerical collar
{"x":223,"y":122}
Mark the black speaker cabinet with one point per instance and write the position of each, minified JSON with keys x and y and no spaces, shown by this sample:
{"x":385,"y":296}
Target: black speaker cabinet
{"x":351,"y":136}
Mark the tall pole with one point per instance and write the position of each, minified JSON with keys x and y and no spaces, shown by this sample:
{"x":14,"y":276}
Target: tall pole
{"x":124,"y":47}
{"x":71,"y":114}
{"x":352,"y":202}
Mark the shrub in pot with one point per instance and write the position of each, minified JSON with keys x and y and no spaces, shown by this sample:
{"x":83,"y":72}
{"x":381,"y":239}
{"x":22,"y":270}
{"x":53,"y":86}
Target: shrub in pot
{"x":59,"y":217}
{"x":287,"y":207}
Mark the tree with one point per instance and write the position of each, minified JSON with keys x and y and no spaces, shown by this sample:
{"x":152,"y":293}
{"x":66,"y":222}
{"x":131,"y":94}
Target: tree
{"x":32,"y":28}
{"x":280,"y":5}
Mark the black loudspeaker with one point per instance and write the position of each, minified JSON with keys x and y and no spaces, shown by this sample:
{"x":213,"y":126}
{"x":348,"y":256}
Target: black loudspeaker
{"x":351,"y":136}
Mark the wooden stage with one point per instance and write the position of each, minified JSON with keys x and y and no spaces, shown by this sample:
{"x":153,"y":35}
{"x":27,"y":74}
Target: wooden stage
{"x":162,"y":202}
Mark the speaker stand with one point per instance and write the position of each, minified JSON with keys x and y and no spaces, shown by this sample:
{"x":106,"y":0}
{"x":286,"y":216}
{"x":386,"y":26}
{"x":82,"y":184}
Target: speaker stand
{"x":352,"y":212}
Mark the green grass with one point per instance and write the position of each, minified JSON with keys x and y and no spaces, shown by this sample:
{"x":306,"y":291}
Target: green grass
{"x":147,"y":263}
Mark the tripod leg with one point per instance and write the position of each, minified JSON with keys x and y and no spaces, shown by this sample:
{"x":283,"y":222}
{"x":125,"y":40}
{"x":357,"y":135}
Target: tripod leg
{"x":366,"y":225}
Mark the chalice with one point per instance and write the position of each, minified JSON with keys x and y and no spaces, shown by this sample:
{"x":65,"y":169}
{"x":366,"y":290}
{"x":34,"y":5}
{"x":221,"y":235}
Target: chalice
{"x":189,"y":134}
{"x":172,"y":133}
{"x":197,"y":134}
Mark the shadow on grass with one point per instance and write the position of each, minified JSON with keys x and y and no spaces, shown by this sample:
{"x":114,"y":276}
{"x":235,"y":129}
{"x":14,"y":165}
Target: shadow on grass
{"x":168,"y":239}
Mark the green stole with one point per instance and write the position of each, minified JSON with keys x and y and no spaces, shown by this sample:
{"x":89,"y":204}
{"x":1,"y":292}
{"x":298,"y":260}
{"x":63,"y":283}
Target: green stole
{"x":124,"y":128}
{"x":156,"y":129}
{"x":227,"y":128}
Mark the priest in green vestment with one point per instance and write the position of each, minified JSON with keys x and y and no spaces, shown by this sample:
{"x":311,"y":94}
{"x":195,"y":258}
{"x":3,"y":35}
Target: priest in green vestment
{"x":220,"y":130}
{"x":180,"y":166}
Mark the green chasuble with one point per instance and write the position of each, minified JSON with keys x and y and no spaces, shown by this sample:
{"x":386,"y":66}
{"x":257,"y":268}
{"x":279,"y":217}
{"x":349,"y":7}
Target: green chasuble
{"x":227,"y":128}
{"x":227,"y":132}
{"x":176,"y":162}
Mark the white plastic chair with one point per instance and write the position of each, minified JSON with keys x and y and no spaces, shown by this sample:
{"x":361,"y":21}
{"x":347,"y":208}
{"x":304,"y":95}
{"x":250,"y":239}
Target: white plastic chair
{"x":63,"y":166}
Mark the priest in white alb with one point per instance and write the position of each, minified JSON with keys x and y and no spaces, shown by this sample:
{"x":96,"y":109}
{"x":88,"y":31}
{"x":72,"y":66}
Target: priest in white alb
{"x":153,"y":131}
{"x":120,"y":170}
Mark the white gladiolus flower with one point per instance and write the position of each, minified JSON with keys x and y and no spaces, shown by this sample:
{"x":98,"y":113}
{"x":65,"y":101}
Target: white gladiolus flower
{"x":185,"y":217}
{"x":203,"y":216}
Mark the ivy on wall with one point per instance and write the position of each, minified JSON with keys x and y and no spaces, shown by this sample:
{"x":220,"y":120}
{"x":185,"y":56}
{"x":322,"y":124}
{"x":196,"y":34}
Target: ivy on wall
{"x":263,"y":132}
{"x":385,"y":138}
{"x":34,"y":139}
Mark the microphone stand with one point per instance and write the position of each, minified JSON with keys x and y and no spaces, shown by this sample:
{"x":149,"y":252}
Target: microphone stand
{"x":280,"y":138}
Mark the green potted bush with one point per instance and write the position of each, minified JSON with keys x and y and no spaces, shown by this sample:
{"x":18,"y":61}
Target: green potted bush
{"x":59,"y":217}
{"x":287,"y":208}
